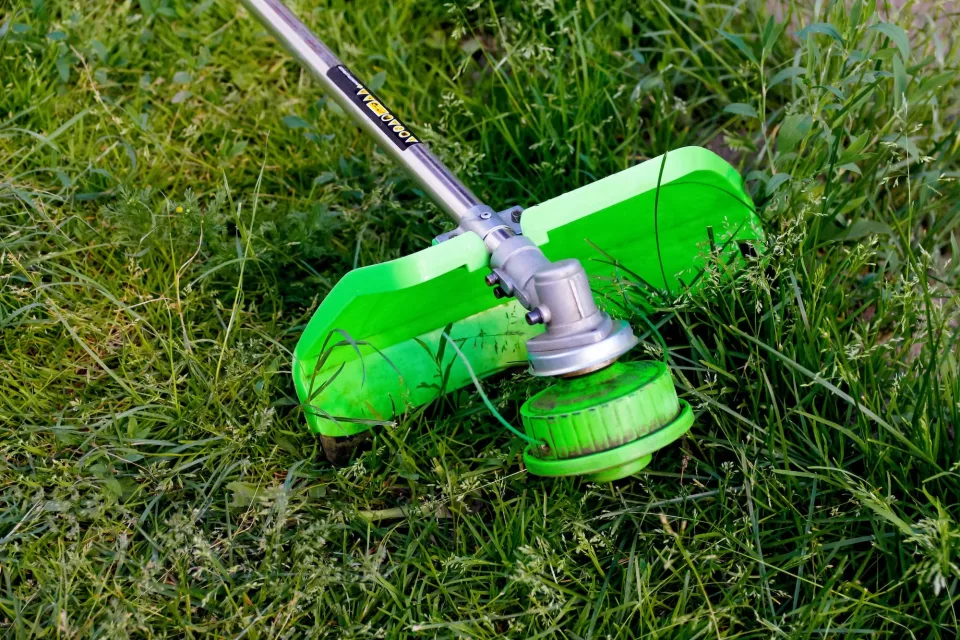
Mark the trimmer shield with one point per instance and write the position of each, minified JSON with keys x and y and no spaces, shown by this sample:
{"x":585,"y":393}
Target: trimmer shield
{"x":374,"y":348}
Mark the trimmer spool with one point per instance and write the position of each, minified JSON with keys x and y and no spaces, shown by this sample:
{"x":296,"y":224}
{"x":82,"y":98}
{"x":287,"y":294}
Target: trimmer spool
{"x":604,"y":425}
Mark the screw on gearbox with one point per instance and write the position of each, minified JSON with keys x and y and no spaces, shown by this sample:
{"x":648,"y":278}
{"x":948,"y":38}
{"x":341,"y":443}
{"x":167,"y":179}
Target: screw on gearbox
{"x":534,"y":316}
{"x":499,"y":293}
{"x":492,"y":279}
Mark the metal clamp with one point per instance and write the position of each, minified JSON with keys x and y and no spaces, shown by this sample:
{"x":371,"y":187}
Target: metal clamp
{"x":509,"y":218}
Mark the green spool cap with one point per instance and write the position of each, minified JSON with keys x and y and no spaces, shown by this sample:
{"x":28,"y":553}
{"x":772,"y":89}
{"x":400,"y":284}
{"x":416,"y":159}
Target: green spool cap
{"x":606,"y":424}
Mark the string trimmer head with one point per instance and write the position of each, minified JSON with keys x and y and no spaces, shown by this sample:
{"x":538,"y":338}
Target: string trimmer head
{"x":514,"y":287}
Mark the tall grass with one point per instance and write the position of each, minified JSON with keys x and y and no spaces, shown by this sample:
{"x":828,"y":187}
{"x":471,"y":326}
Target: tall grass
{"x":176,"y":197}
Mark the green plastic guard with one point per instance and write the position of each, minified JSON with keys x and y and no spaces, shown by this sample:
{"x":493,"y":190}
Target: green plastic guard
{"x":379,"y":329}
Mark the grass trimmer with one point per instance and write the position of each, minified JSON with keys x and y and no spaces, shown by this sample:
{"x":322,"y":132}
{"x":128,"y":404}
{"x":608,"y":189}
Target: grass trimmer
{"x":511,"y":287}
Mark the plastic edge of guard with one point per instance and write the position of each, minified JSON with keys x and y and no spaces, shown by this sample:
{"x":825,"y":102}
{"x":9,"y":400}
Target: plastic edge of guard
{"x":540,"y":219}
{"x":466,"y":250}
{"x":596,"y":462}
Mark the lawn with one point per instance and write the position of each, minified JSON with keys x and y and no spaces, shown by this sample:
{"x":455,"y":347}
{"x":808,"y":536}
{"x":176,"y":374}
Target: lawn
{"x":177,"y":196}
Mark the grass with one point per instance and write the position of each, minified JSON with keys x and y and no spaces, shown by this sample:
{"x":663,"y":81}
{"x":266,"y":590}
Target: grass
{"x":176,"y":196}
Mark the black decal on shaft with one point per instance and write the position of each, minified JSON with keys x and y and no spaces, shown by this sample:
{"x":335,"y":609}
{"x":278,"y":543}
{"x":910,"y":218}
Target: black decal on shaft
{"x":373,"y":108}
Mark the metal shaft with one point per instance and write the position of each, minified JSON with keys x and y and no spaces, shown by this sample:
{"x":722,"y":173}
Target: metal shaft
{"x":441,"y":185}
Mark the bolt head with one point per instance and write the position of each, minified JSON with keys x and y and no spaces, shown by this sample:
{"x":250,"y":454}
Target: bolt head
{"x":534,"y":316}
{"x":499,"y":293}
{"x":492,"y":279}
{"x":485,"y":215}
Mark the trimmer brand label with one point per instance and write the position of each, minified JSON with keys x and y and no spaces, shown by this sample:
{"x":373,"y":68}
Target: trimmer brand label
{"x":372,"y":107}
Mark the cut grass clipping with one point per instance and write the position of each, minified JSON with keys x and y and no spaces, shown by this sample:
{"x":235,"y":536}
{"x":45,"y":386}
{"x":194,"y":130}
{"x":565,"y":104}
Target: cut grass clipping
{"x":176,"y":196}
